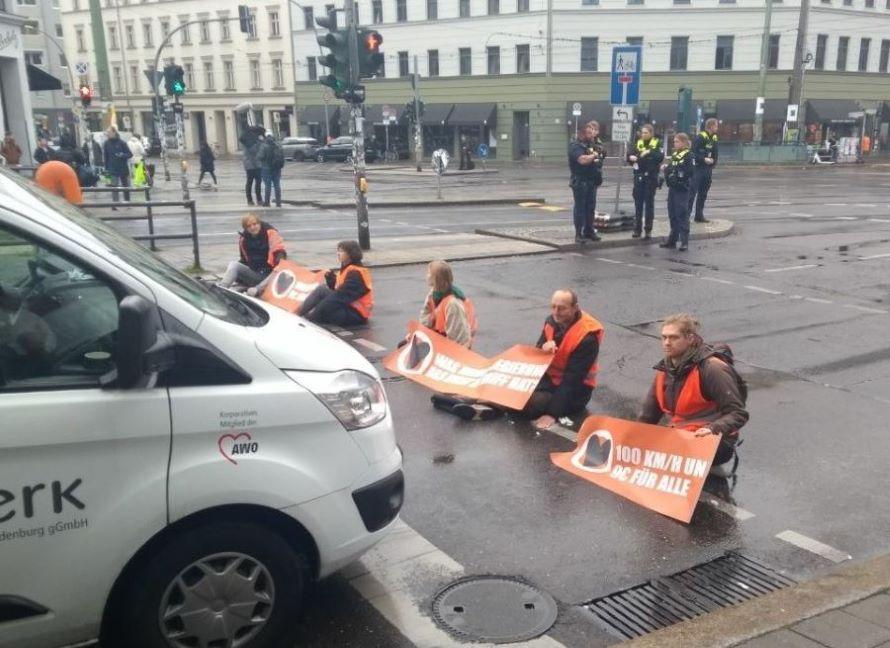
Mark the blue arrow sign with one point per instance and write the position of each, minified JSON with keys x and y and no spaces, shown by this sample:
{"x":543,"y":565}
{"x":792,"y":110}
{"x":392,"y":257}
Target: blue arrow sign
{"x":627,"y":67}
{"x":482,"y":151}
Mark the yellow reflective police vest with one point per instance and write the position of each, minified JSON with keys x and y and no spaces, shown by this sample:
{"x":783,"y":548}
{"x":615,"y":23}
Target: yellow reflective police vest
{"x":652,"y":144}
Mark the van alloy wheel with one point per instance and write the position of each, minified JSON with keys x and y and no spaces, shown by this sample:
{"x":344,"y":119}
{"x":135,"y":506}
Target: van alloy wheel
{"x":224,"y":599}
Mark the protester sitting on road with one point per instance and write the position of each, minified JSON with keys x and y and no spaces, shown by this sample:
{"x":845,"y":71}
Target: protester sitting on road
{"x":574,"y":339}
{"x":447,"y":310}
{"x":698,"y":389}
{"x":346,"y":298}
{"x":261,"y":249}
{"x":59,"y":179}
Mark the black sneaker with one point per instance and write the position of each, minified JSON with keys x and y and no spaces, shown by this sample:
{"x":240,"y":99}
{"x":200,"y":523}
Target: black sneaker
{"x":635,"y":235}
{"x":683,"y":247}
{"x":464,"y":410}
{"x":594,"y":237}
{"x":702,"y":220}
{"x":667,"y":245}
{"x":647,"y":236}
{"x":580,"y":240}
{"x":487,"y":413}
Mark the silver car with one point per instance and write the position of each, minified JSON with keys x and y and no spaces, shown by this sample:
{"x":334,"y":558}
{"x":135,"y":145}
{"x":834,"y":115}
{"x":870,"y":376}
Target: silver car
{"x":299,"y":148}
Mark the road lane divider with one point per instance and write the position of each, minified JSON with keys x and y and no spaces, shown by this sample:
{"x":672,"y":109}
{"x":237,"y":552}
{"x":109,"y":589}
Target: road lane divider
{"x":805,"y":266}
{"x":813,"y":546}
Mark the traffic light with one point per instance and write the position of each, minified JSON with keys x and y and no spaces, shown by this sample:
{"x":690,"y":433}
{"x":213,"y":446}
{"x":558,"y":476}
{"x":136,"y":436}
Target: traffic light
{"x":86,"y":95}
{"x":410,"y":113}
{"x":370,"y":58}
{"x":174,"y":82}
{"x":244,"y":18}
{"x":684,"y":109}
{"x":336,"y":40}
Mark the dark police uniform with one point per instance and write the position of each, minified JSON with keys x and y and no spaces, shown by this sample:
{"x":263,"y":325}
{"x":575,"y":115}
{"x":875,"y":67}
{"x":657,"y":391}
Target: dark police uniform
{"x":584,"y":182}
{"x":704,"y":146}
{"x":649,"y":158}
{"x":678,"y":176}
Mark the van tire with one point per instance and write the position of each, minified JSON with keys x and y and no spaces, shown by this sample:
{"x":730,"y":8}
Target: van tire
{"x":139,"y":620}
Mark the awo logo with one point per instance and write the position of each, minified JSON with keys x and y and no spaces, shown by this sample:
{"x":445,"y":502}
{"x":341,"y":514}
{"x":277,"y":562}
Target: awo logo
{"x":237,"y":446}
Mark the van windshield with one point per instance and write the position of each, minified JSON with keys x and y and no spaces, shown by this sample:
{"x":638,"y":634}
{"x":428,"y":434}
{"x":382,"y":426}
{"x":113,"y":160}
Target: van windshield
{"x":218,"y":303}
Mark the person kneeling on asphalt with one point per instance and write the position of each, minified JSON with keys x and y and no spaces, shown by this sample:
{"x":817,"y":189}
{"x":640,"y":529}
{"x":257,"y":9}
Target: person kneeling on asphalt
{"x":261,"y":248}
{"x":346,"y":298}
{"x":447,"y":310}
{"x":697,"y":388}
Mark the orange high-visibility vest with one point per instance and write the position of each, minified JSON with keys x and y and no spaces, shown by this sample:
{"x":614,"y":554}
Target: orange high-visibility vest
{"x":692,"y":410}
{"x":365,"y":303}
{"x":60,"y":179}
{"x":439,"y":316}
{"x":570,"y":341}
{"x":276,"y":244}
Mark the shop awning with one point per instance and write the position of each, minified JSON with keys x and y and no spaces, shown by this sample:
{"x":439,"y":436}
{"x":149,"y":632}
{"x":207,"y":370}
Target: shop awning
{"x":315,"y":114}
{"x":39,"y":80}
{"x":436,"y":114}
{"x":473,"y":114}
{"x":831,"y":110}
{"x":742,"y":110}
{"x":601,"y":111}
{"x":884,"y":111}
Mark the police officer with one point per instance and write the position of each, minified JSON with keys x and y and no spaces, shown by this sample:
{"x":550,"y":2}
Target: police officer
{"x":704,"y":154}
{"x":677,"y":176}
{"x":646,"y":157}
{"x":586,"y":156}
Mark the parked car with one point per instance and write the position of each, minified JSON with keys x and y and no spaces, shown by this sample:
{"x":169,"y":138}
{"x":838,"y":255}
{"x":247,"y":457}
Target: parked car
{"x":340,"y":150}
{"x":299,"y":148}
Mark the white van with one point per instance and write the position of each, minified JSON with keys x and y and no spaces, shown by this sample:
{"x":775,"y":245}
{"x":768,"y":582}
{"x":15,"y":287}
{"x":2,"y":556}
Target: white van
{"x":176,"y":461}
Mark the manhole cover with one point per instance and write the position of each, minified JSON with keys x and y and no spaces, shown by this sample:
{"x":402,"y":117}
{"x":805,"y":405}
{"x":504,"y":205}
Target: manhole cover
{"x":494,"y":609}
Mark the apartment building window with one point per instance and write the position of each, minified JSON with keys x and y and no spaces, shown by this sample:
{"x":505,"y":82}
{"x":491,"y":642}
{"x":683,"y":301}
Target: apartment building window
{"x":377,"y":11}
{"x":275,"y":24}
{"x":356,"y":7}
{"x":28,"y":2}
{"x":885,"y":56}
{"x":308,"y":18}
{"x":682,"y":2}
{"x":188,"y":69}
{"x":165,"y":29}
{"x":112,"y":37}
{"x":76,"y":5}
{"x":723,"y":56}
{"x":843,"y":44}
{"x":493,"y":54}
{"x":63,"y":60}
{"x":382,"y":73}
{"x":432,"y":9}
{"x":590,"y":53}
{"x":432,"y":63}
{"x":464,"y":8}
{"x":224,"y":34}
{"x":523,"y":59}
{"x":256,"y":81}
{"x":828,"y":2}
{"x":311,"y":68}
{"x":864,"y":47}
{"x":78,"y":36}
{"x":401,"y":11}
{"x":494,"y":7}
{"x":117,"y":78}
{"x":134,"y":79}
{"x":727,"y":1}
{"x":522,"y":6}
{"x":679,"y":52}
{"x":251,"y":26}
{"x":229,"y":74}
{"x":209,"y":82}
{"x":34,"y":58}
{"x":403,"y":64}
{"x":277,"y":73}
{"x":773,"y":61}
{"x":328,"y":9}
{"x":466,"y":61}
{"x":821,"y":47}
{"x":186,"y":33}
{"x":59,"y":31}
{"x":869,"y":4}
{"x":147,"y":35}
{"x":130,"y":35}
{"x":590,"y":2}
{"x":204,"y":28}
{"x":848,"y":3}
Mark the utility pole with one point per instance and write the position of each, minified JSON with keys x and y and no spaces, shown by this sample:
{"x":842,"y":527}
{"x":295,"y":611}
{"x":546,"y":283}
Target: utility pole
{"x":357,"y":131}
{"x":549,"y":38}
{"x":795,"y":95}
{"x":764,"y":65}
{"x":418,"y":126}
{"x":98,"y":30}
{"x":126,"y":65}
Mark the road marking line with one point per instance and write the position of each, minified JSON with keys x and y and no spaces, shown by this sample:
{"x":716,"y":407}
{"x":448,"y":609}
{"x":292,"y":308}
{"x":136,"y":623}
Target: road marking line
{"x":720,"y":281}
{"x":845,"y":218}
{"x":797,"y":267}
{"x":865,"y":309}
{"x":799,"y":215}
{"x":813,"y":546}
{"x":817,"y":300}
{"x":552,"y":208}
{"x":764,"y":290}
{"x":564,"y":432}
{"x":874,"y":256}
{"x":722,"y":505}
{"x":370,"y":345}
{"x":865,"y":205}
{"x":530,"y":204}
{"x":642,"y":267}
{"x":576,"y":254}
{"x":835,"y":204}
{"x":779,"y":202}
{"x":605,"y":260}
{"x":879,"y":220}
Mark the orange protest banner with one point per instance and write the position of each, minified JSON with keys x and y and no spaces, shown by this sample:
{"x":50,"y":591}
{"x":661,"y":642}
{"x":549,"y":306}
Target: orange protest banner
{"x":290,"y":284}
{"x":658,"y":467}
{"x":436,"y":362}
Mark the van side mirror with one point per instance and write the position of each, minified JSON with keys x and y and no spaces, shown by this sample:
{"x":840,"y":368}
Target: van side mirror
{"x":143,"y":348}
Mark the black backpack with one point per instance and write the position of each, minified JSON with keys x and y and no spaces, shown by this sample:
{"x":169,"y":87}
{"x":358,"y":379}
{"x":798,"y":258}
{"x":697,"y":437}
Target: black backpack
{"x":723,"y":352}
{"x":277,"y":155}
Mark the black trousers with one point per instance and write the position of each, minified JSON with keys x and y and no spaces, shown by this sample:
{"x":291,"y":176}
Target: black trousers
{"x":678,"y":213}
{"x":254,"y":177}
{"x":538,"y":404}
{"x":698,"y":192}
{"x":644,"y":203}
{"x":584,"y":193}
{"x":321,"y":307}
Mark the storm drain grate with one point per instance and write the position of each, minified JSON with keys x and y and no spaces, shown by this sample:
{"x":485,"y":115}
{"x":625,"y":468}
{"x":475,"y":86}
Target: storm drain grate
{"x":494,"y":609}
{"x":661,"y":602}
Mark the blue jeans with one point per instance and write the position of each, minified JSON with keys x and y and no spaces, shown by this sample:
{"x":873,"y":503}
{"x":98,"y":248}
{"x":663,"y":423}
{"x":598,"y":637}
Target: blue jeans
{"x":272,"y":178}
{"x":584,"y":194}
{"x":678,"y":212}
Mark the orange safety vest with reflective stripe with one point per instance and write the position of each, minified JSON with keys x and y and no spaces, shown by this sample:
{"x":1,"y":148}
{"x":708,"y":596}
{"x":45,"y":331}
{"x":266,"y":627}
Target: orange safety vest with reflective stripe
{"x":365,"y":303}
{"x":570,"y":341}
{"x":439,"y":316}
{"x":692,"y":410}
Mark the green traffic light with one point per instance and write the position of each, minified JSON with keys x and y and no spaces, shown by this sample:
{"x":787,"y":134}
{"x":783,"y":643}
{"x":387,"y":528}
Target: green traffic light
{"x":178,"y":88}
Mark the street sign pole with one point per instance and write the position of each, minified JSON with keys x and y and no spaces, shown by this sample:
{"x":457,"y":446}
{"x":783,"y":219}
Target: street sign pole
{"x":358,"y":136}
{"x":418,"y":127}
{"x":625,"y":93}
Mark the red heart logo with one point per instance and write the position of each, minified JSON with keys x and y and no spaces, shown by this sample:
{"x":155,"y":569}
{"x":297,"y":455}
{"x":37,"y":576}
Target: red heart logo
{"x":234,"y":438}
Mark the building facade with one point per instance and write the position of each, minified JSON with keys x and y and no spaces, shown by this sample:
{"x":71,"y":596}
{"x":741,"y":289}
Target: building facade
{"x":506,"y":72}
{"x":224,"y":68}
{"x":15,"y":96}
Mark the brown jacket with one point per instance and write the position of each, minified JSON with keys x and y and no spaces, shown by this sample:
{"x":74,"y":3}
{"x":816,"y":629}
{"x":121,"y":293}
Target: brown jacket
{"x":718,"y":384}
{"x":11,"y":151}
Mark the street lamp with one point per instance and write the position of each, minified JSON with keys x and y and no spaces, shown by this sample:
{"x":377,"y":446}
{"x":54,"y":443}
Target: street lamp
{"x":801,"y":109}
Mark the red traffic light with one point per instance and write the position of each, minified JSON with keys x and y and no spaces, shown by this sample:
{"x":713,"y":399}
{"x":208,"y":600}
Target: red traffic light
{"x":373,"y":41}
{"x":86,"y":94}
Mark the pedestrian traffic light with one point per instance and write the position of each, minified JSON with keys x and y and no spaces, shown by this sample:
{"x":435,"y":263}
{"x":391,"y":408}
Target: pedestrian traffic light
{"x":244,"y":18}
{"x":370,"y":58}
{"x":412,"y":114}
{"x":86,"y":95}
{"x":336,"y":40}
{"x":174,"y":81}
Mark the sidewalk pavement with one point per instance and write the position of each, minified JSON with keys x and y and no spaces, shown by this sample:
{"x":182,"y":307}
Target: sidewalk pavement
{"x":848,"y":608}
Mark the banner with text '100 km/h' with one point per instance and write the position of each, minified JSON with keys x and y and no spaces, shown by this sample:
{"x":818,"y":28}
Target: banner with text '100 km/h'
{"x":658,"y":467}
{"x":436,"y":362}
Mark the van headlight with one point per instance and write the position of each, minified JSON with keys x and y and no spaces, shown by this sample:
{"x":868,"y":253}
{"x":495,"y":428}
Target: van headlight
{"x":356,"y":399}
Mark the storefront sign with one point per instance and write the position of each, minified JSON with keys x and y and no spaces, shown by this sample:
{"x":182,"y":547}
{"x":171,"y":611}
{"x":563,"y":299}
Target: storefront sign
{"x":9,"y":39}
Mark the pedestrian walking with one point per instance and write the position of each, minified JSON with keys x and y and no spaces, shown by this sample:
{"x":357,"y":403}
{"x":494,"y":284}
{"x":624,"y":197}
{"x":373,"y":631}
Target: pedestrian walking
{"x":447,"y":310}
{"x":260,"y":249}
{"x":252,"y":140}
{"x":271,"y":159}
{"x":10,"y":150}
{"x":137,"y":162}
{"x":116,"y":154}
{"x":704,"y":156}
{"x":586,"y":156}
{"x":41,"y":153}
{"x":646,"y":158}
{"x":697,"y":388}
{"x":346,"y":298}
{"x":677,"y":176}
{"x":208,"y":162}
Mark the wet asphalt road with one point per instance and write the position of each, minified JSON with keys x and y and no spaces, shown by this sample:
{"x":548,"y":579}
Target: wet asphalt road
{"x":802,"y":294}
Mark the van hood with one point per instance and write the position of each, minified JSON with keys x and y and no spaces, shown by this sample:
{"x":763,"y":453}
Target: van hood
{"x":291,"y":342}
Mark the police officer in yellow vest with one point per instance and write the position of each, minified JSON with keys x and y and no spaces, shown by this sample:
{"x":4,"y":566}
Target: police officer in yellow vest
{"x":704,"y":155}
{"x":646,"y":157}
{"x":677,"y":176}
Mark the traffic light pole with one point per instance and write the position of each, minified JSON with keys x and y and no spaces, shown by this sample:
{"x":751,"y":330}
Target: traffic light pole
{"x":764,"y":65}
{"x":418,"y":128}
{"x":358,"y":137}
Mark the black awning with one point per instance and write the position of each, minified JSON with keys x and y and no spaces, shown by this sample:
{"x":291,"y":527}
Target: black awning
{"x":831,"y":110}
{"x":663,"y":112}
{"x":436,"y":114}
{"x":884,"y":113}
{"x":473,"y":114}
{"x":39,"y":80}
{"x":601,"y":111}
{"x":742,"y":110}
{"x":315,"y":114}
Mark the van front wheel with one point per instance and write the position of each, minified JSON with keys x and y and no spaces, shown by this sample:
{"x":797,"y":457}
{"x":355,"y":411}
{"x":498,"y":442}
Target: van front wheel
{"x":226,"y":584}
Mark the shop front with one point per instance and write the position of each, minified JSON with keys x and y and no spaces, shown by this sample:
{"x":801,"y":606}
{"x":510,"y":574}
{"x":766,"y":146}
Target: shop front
{"x":15,"y":101}
{"x":474,"y":124}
